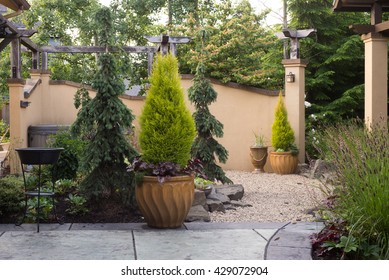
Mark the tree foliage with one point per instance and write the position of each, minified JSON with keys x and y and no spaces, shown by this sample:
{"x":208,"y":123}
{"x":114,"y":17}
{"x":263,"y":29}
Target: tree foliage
{"x":65,"y":22}
{"x":335,"y":73}
{"x":236,"y":42}
{"x":106,"y":152}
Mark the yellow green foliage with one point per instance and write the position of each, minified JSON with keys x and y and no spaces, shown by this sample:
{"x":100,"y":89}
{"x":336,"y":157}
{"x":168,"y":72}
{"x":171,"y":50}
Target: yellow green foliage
{"x":282,"y":133}
{"x":167,"y":127}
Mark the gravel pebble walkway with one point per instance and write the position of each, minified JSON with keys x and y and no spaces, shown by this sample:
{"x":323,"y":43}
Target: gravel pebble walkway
{"x":274,"y":198}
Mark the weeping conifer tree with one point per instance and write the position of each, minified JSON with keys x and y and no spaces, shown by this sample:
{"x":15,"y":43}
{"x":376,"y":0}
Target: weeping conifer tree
{"x":109,"y":119}
{"x":205,"y":147}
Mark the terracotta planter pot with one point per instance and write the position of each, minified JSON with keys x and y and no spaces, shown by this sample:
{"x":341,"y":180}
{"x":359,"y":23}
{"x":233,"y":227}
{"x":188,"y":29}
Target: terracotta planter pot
{"x":165,"y":205}
{"x":258,"y":158}
{"x":283,"y":162}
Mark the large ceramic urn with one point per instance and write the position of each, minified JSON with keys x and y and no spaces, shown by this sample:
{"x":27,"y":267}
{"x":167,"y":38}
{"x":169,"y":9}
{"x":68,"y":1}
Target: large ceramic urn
{"x":165,"y":205}
{"x":283,"y":162}
{"x":258,"y":158}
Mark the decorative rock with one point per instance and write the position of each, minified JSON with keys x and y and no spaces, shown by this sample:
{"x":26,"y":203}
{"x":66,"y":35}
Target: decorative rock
{"x":239,"y":204}
{"x":197,"y":213}
{"x":199,"y":198}
{"x":229,"y":207}
{"x":234,"y":192}
{"x":220,"y":197}
{"x":215,"y":205}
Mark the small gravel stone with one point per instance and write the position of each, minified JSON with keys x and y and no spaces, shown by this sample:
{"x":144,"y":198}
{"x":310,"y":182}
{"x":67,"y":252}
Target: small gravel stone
{"x":274,"y":198}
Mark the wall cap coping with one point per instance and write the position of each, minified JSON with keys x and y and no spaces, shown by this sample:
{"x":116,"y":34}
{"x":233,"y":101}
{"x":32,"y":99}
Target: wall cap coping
{"x":237,"y":86}
{"x":184,"y":77}
{"x":39,"y":71}
{"x":16,"y":81}
{"x":30,"y":86}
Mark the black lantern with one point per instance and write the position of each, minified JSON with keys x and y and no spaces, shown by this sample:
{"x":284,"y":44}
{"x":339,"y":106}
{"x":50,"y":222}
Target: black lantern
{"x":290,"y":78}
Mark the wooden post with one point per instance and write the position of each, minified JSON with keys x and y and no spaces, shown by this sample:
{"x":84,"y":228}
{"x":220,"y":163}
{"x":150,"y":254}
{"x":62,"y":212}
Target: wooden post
{"x":15,"y":59}
{"x":173,"y":49}
{"x":150,"y":61}
{"x":164,"y":48}
{"x":44,"y":60}
{"x":35,"y":60}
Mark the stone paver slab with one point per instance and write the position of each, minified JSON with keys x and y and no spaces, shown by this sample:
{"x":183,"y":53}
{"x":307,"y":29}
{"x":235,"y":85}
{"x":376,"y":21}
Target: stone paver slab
{"x":33,"y":227}
{"x":67,"y":245}
{"x":266,"y":233}
{"x":288,"y":253}
{"x":234,"y":244}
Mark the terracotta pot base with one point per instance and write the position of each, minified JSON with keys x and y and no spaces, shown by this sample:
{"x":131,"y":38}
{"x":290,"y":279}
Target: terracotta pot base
{"x":165,"y":205}
{"x":283,"y":162}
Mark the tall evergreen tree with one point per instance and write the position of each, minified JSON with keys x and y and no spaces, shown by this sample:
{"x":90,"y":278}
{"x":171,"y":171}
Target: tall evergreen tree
{"x":335,"y":73}
{"x":205,"y":147}
{"x":105,"y":154}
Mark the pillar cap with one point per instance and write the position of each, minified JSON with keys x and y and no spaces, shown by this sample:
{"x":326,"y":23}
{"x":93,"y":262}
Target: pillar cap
{"x":295,"y":62}
{"x":16,"y":81}
{"x":373,"y":36}
{"x":39,"y":71}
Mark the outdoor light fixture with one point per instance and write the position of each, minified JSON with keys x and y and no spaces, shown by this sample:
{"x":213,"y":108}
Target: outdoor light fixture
{"x":290,"y":78}
{"x":24,"y":104}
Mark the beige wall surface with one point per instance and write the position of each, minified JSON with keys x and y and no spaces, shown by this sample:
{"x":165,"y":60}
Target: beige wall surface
{"x":242,"y":110}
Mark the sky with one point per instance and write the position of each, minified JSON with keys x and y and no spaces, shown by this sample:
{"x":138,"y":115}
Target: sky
{"x":275,"y":5}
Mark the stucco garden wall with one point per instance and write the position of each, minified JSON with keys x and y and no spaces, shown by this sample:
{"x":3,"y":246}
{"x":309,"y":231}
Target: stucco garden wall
{"x":242,"y":110}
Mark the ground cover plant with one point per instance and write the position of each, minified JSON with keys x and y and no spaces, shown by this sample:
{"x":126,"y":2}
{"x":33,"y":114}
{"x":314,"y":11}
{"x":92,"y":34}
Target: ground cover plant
{"x":358,"y":224}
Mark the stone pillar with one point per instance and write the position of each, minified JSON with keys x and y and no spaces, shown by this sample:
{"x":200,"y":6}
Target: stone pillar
{"x":295,"y":101}
{"x":376,"y":78}
{"x":18,"y":135}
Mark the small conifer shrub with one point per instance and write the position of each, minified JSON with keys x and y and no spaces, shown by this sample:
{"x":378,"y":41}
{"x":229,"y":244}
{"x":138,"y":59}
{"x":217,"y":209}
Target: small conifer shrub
{"x":167,"y":128}
{"x":282,"y":133}
{"x":205,"y":147}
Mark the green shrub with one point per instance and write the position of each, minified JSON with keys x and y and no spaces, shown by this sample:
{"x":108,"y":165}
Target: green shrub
{"x":68,"y":162}
{"x":77,"y":205}
{"x":11,"y":195}
{"x":282,"y":138}
{"x":361,"y":158}
{"x":4,"y":131}
{"x":167,"y":127}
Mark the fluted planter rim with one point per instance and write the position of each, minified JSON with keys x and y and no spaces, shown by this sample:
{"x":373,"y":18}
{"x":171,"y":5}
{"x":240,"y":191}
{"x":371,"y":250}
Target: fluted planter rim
{"x":167,"y":178}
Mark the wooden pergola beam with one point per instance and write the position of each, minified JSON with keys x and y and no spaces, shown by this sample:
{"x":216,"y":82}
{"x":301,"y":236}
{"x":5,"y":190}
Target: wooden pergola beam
{"x":16,"y":4}
{"x":358,"y":5}
{"x":95,"y":49}
{"x":29,"y":44}
{"x":361,"y":29}
{"x":4,"y":43}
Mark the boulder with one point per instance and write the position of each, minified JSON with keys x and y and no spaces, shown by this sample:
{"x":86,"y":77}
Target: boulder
{"x":234,"y":192}
{"x":199,"y":198}
{"x":236,"y":203}
{"x":220,"y":197}
{"x":197,"y":213}
{"x":215,"y":205}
